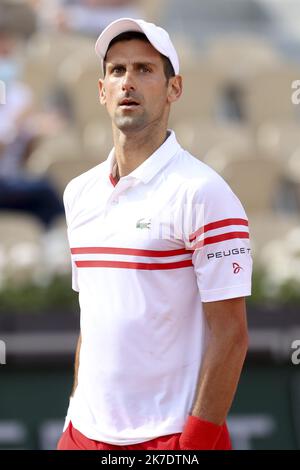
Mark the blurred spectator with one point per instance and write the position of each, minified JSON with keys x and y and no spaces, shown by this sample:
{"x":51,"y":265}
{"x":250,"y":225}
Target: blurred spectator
{"x":90,"y":16}
{"x":46,"y":12}
{"x":19,"y":130}
{"x":19,"y":16}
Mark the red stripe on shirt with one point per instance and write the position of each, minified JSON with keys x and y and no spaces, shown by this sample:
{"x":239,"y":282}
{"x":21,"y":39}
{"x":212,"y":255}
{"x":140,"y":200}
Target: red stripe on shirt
{"x":128,"y":251}
{"x":220,"y":238}
{"x":217,"y":224}
{"x":128,"y":265}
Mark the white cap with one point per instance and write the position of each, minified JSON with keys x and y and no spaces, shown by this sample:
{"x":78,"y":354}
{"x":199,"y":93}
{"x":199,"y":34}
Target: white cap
{"x":158,"y":37}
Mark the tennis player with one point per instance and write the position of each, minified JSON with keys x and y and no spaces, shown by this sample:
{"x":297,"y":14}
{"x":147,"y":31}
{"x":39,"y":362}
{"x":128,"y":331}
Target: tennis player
{"x":161,"y":260}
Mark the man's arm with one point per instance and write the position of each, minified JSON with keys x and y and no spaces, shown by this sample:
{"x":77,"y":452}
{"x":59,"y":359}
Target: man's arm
{"x":221,"y":368}
{"x":76,"y":366}
{"x":223,"y":359}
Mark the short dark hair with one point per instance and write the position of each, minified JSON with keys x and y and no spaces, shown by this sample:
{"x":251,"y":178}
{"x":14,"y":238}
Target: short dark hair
{"x":128,"y":36}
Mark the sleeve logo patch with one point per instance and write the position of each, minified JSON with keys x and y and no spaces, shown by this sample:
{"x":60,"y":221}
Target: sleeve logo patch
{"x":236,"y":268}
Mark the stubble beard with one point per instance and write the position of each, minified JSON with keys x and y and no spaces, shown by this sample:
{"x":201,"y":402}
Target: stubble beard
{"x":130,"y":123}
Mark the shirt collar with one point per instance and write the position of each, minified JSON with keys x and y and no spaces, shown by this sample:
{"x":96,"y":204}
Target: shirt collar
{"x":153,"y":164}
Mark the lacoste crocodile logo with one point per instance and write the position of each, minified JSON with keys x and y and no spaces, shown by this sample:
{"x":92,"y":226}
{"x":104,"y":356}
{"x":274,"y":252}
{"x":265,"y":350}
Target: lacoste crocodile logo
{"x":143,"y":223}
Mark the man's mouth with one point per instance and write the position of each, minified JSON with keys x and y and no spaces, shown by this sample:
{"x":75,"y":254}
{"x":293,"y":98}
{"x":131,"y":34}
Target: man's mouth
{"x":128,"y":103}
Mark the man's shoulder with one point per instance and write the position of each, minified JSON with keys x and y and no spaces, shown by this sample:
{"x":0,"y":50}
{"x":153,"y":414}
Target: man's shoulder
{"x":203,"y":186}
{"x":199,"y":173}
{"x":202,"y":183}
{"x":77,"y":184}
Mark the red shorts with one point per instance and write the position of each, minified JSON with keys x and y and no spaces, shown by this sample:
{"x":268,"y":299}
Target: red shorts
{"x":72,"y":439}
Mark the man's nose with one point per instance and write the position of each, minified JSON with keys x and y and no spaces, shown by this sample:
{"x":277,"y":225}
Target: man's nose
{"x":128,"y":81}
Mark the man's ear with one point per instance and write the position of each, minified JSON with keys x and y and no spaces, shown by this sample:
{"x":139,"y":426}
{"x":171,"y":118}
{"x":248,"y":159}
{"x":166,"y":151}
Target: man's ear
{"x":102,"y":94}
{"x":174,"y":88}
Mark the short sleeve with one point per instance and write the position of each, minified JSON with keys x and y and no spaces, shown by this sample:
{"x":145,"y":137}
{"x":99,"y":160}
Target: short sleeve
{"x":75,"y":285}
{"x":219,"y":239}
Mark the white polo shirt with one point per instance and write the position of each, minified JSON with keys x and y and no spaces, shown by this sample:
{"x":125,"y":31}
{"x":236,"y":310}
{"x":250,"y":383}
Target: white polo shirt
{"x":146,"y":252}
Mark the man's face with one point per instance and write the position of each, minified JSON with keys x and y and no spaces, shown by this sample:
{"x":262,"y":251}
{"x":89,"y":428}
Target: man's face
{"x":135,"y":90}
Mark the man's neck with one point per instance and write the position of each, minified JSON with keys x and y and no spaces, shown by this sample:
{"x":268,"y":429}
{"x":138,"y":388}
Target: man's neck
{"x":131,"y":150}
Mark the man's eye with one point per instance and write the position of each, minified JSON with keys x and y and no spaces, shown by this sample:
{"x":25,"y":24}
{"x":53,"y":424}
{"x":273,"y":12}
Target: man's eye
{"x":117,"y":70}
{"x":144,"y":68}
